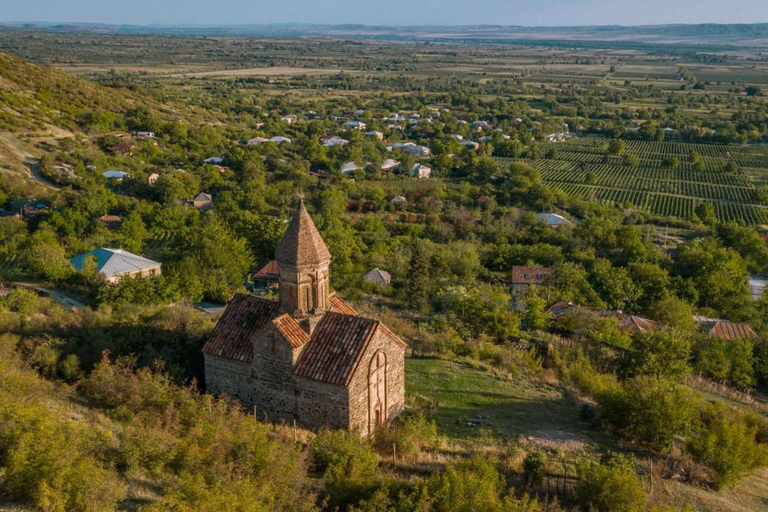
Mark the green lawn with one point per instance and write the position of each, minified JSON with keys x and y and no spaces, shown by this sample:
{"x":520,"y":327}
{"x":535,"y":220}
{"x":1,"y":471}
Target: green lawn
{"x":454,"y":394}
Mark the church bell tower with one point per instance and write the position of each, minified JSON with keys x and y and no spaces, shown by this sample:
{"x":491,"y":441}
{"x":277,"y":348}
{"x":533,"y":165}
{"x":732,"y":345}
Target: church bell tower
{"x":303,"y":261}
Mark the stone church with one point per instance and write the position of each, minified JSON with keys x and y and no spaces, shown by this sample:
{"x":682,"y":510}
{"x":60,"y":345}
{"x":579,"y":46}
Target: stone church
{"x":309,"y":357}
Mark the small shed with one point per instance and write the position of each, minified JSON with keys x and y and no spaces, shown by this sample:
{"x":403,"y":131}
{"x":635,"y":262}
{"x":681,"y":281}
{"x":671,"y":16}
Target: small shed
{"x":378,"y":276}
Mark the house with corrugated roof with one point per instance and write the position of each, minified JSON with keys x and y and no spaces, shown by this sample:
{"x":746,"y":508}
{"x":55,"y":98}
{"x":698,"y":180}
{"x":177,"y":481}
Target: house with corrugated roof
{"x":114,"y":264}
{"x":378,"y":276}
{"x":309,"y":357}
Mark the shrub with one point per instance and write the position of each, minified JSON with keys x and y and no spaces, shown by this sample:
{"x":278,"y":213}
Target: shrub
{"x":473,"y":485}
{"x":347,"y":464}
{"x":534,"y":468}
{"x":728,"y":444}
{"x":611,"y":486}
{"x":410,"y":434}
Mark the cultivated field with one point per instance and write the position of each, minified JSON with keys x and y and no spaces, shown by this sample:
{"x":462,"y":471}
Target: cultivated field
{"x":581,"y":169}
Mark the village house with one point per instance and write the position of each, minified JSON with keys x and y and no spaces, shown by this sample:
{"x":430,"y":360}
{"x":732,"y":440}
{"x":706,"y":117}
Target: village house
{"x":214,"y":160}
{"x":725,"y":330}
{"x":631,"y":324}
{"x":375,"y":134}
{"x":331,"y":140}
{"x":27,"y":207}
{"x":355,"y":125}
{"x":414,"y":149}
{"x":267,"y":276}
{"x":378,"y":276}
{"x":111,"y":221}
{"x":309,"y":357}
{"x":399,"y":200}
{"x":203,"y":201}
{"x":420,"y":171}
{"x":152,"y":178}
{"x":114,"y":264}
{"x":289,"y":119}
{"x":349,"y":168}
{"x":115,"y":175}
{"x":390,"y":165}
{"x":552,"y":219}
{"x":523,"y":277}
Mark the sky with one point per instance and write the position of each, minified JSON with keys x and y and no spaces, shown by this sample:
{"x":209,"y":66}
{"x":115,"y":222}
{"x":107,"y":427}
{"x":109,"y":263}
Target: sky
{"x":388,"y":12}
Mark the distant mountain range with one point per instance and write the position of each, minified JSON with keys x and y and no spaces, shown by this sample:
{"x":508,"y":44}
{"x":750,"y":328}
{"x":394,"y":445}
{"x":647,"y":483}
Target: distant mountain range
{"x":736,"y":36}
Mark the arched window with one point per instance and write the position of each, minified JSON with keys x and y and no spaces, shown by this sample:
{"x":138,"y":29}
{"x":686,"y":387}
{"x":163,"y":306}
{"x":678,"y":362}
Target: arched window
{"x":377,"y":391}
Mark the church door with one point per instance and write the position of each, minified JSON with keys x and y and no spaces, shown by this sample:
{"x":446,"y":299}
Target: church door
{"x":377,"y":391}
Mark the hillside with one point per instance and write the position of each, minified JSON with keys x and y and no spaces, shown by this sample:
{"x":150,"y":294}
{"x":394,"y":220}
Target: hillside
{"x":39,"y":104}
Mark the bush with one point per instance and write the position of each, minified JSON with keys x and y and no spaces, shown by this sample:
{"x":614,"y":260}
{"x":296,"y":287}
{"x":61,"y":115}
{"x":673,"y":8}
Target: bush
{"x":728,"y":444}
{"x":473,"y":485}
{"x":534,"y":468}
{"x":611,"y":486}
{"x":347,"y":464}
{"x":411,"y":434}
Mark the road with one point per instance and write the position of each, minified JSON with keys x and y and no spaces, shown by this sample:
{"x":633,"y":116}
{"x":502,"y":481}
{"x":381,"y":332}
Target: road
{"x":57,"y":295}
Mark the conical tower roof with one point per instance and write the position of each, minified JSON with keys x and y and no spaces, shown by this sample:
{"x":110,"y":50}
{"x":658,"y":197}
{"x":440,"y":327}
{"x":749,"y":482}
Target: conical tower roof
{"x":302,"y":244}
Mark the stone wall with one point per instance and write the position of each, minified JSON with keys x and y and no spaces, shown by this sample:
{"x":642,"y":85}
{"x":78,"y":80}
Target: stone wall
{"x":270,"y":384}
{"x":395,"y":378}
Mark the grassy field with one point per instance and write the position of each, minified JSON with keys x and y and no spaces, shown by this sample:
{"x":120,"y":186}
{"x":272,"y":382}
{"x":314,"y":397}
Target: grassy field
{"x":463,"y":400}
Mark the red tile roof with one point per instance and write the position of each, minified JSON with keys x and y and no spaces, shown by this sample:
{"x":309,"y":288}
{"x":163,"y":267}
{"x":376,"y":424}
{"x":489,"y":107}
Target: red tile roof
{"x":268,"y":271}
{"x":291,"y":331}
{"x":339,"y":305}
{"x":110,"y":218}
{"x":529,"y":275}
{"x":338,"y":343}
{"x":626,"y":322}
{"x":729,"y":331}
{"x":245,"y":315}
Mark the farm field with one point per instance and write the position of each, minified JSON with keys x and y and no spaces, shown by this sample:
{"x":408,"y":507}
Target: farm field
{"x":581,"y":168}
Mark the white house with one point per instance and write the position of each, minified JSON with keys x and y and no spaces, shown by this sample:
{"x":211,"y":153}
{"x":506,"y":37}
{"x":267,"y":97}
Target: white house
{"x":115,"y":175}
{"x":114,"y":264}
{"x":420,"y":171}
{"x":552,"y":219}
{"x":355,"y":125}
{"x":290,"y":118}
{"x":376,"y":134}
{"x":213,"y":160}
{"x":417,"y":150}
{"x":389,"y":165}
{"x":470,"y":144}
{"x":257,"y":140}
{"x":349,"y":168}
{"x":334,"y":141}
{"x":280,"y":139}
{"x":152,"y":178}
{"x":399,"y":200}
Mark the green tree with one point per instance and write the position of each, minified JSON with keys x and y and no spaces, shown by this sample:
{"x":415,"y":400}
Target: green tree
{"x":661,"y":354}
{"x":616,"y":147}
{"x":418,"y":277}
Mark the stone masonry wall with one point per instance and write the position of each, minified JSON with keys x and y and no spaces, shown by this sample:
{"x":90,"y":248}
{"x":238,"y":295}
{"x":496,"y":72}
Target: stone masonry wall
{"x":395,"y":379}
{"x":269,"y":383}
